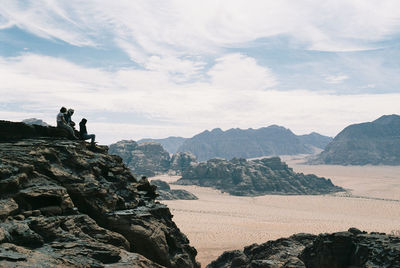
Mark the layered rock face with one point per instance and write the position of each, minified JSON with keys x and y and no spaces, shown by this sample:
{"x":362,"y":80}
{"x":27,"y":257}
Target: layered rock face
{"x":250,"y":143}
{"x":255,"y":177}
{"x":64,"y":204}
{"x":338,"y":250}
{"x":165,"y":192}
{"x":147,"y":158}
{"x":375,"y":143}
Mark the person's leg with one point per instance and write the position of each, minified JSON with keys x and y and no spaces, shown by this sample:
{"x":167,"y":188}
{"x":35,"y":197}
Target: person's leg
{"x":91,"y":136}
{"x":69,"y":129}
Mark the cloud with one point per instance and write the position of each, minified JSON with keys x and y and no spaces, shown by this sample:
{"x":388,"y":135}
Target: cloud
{"x":174,"y":28}
{"x":132,"y":103}
{"x":336,"y":79}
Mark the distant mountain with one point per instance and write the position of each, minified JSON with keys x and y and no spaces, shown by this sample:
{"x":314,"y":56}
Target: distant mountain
{"x":375,"y":143}
{"x":171,"y":144}
{"x":255,"y":177}
{"x":35,"y":121}
{"x":316,"y":140}
{"x":250,"y":143}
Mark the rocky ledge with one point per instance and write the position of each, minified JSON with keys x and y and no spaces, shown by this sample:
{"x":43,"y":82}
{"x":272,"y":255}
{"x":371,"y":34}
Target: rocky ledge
{"x":255,"y":177}
{"x":342,"y":249}
{"x":165,"y":192}
{"x":66,"y":204}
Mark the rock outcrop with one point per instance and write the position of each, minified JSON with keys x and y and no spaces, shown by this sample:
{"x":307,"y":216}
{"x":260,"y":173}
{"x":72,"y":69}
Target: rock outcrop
{"x":250,"y":143}
{"x":147,"y":158}
{"x":181,"y":162}
{"x":375,"y":143}
{"x":337,"y":250}
{"x":166,"y":193}
{"x":255,"y":177}
{"x":65,"y":203}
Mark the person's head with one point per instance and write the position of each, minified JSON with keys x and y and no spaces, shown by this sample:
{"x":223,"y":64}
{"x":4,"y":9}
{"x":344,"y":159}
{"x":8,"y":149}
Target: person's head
{"x":71,"y":111}
{"x":63,"y":110}
{"x":83,"y":120}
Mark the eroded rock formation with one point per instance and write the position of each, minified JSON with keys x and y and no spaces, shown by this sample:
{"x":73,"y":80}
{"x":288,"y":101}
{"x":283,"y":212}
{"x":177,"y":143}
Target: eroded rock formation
{"x":255,"y":177}
{"x":337,"y":250}
{"x":147,"y":158}
{"x":66,"y":204}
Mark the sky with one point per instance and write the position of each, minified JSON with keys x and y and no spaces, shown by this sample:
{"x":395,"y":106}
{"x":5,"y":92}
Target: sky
{"x":153,"y":69}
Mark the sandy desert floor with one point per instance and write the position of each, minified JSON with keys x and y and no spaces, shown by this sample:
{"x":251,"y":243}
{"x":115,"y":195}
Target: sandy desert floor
{"x":218,"y":222}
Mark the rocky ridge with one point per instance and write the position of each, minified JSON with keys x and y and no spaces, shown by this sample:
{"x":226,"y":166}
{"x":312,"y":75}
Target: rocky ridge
{"x":64,"y":204}
{"x":352,"y":248}
{"x":255,"y":177}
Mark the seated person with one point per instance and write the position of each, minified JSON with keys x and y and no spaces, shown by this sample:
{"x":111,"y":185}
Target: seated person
{"x":83,"y":131}
{"x":68,"y":119}
{"x":61,"y":123}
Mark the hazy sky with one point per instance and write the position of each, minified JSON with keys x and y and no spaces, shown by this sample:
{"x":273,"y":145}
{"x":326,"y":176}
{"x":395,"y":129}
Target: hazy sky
{"x":144,"y":68}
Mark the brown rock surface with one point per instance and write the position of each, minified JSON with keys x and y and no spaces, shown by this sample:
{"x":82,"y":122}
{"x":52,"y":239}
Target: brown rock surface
{"x":65,"y":204}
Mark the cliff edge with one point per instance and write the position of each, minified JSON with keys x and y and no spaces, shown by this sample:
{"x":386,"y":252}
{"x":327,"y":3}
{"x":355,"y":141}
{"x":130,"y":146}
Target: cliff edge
{"x":66,"y":204}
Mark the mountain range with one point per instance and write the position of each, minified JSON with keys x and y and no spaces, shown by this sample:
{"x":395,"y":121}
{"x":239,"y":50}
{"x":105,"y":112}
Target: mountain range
{"x":245,"y":143}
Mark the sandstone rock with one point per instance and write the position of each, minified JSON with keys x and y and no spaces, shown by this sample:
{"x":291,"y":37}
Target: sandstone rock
{"x":337,"y":250}
{"x":66,"y":204}
{"x":182,"y":161}
{"x":255,"y":177}
{"x":147,"y":158}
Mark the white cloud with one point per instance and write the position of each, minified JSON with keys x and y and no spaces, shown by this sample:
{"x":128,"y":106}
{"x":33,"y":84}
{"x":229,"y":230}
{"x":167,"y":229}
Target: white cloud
{"x":157,"y":106}
{"x":176,"y":27}
{"x":336,"y":79}
{"x":238,"y":72}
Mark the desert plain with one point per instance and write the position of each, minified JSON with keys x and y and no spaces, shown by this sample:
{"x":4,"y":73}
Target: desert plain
{"x":217,"y":221}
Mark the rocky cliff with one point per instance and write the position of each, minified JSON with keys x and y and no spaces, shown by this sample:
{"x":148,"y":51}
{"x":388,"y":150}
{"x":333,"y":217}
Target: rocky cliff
{"x":64,"y":204}
{"x":147,"y":158}
{"x":375,"y":143}
{"x":255,"y":177}
{"x":338,"y":250}
{"x":250,"y":143}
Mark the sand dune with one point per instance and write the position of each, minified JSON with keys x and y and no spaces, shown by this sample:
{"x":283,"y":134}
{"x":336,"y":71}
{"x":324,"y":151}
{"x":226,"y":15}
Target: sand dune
{"x":218,"y":222}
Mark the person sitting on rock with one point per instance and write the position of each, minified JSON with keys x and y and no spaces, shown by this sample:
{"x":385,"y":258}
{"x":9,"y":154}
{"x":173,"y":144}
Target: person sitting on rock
{"x":61,"y":123}
{"x":68,"y":119}
{"x":83,"y":131}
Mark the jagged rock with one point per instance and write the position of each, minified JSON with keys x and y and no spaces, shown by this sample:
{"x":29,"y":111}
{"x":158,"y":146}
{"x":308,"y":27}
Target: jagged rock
{"x":65,"y":203}
{"x":35,"y":121}
{"x":147,"y":158}
{"x":375,"y":143}
{"x":181,"y":162}
{"x":166,"y":193}
{"x":255,"y":177}
{"x":342,"y":249}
